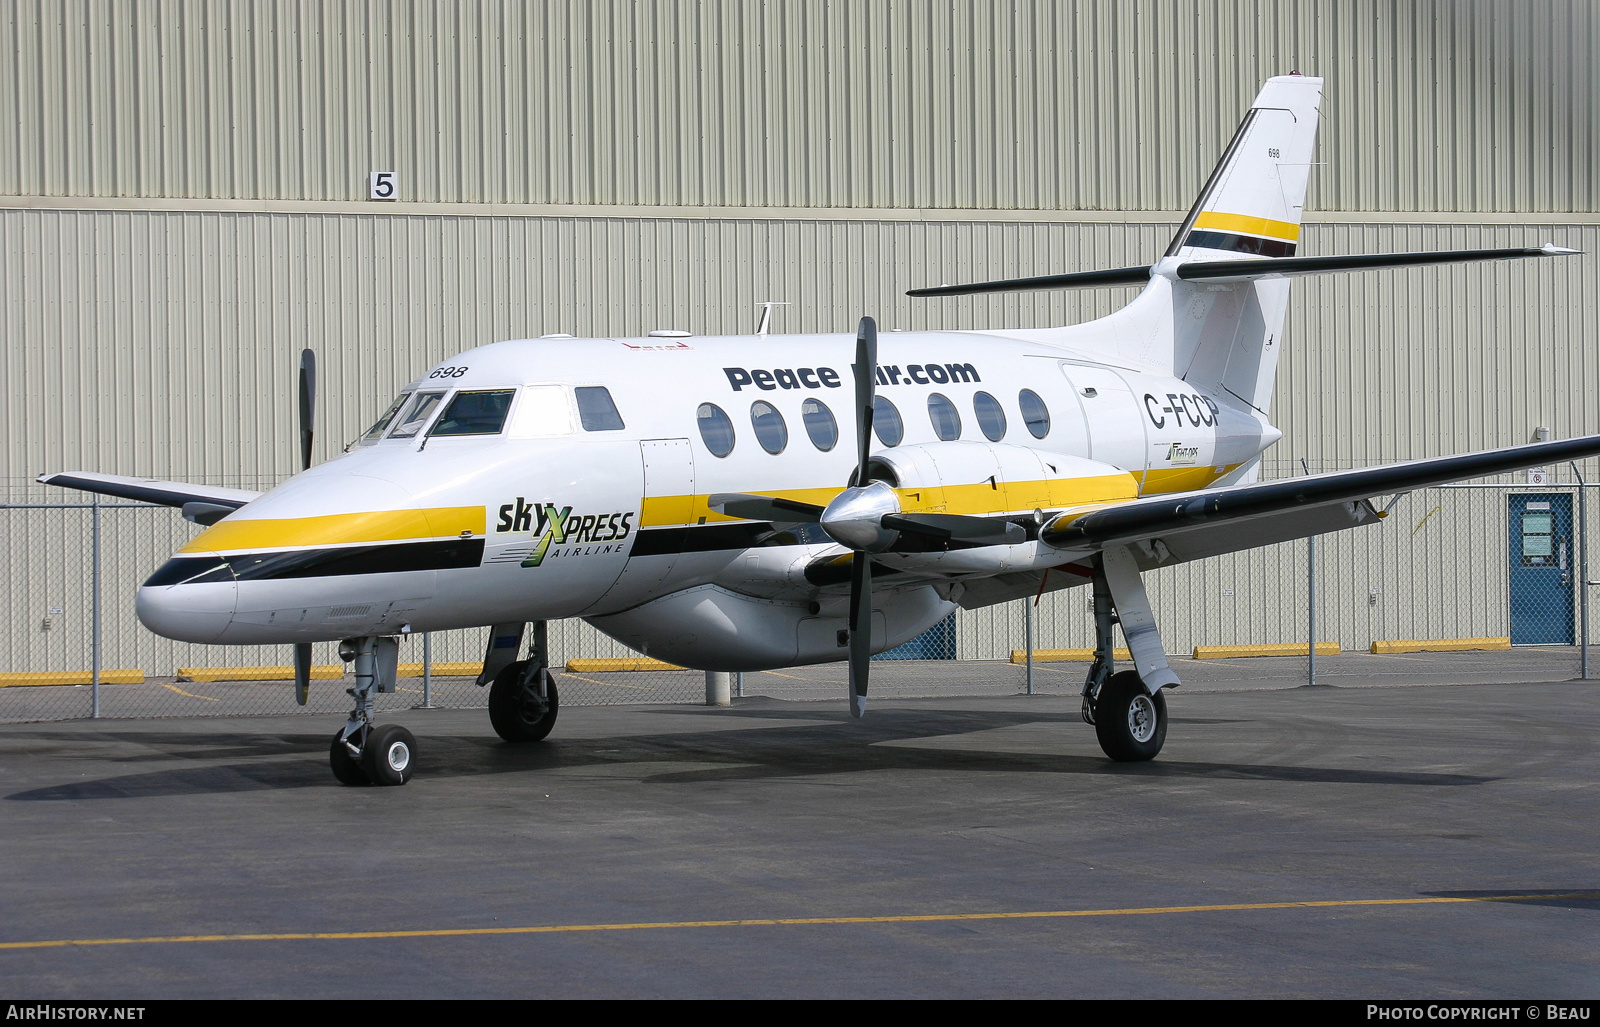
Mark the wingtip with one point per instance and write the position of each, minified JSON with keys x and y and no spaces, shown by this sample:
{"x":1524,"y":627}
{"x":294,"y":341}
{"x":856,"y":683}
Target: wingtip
{"x":1550,"y":249}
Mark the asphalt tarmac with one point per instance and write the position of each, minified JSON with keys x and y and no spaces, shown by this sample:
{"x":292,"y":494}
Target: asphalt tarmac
{"x":1410,"y":841}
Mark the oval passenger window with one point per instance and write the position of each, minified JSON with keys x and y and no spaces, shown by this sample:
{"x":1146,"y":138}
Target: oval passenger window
{"x":716,"y":429}
{"x":886,"y":422}
{"x":945,"y":417}
{"x":1034,"y":413}
{"x":771,"y":432}
{"x":991,"y":416}
{"x":820,"y":425}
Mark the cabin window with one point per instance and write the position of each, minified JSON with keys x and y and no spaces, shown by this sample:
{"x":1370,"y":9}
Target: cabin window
{"x":771,"y":432}
{"x":1034,"y":413}
{"x":376,"y":431}
{"x":542,"y":411}
{"x":596,"y":410}
{"x":886,"y":422}
{"x":945,"y":417}
{"x":475,"y":413}
{"x":820,"y":425}
{"x":716,"y":429}
{"x":416,"y":415}
{"x":991,"y":416}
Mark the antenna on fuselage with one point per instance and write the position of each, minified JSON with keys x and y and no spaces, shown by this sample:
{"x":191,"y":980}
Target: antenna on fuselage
{"x":766,"y":314}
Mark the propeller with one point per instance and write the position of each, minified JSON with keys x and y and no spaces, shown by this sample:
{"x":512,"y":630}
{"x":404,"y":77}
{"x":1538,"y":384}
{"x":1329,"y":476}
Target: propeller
{"x":308,"y":409}
{"x":866,"y":517}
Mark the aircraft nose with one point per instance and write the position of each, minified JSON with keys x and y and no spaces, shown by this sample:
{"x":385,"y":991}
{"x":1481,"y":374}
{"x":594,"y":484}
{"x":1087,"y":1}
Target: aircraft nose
{"x":188,"y":612}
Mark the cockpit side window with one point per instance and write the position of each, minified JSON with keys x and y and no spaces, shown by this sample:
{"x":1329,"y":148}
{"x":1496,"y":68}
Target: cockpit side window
{"x":416,"y":415}
{"x":596,"y":410}
{"x":475,"y":413}
{"x":376,"y":431}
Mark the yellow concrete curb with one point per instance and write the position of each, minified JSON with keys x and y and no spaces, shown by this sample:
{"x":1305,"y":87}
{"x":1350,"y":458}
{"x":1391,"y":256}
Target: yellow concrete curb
{"x":254,"y":673}
{"x":1228,"y":652}
{"x":1438,"y":645}
{"x":1061,"y":655}
{"x":625,"y":663}
{"x":442,"y":670}
{"x":71,"y":677}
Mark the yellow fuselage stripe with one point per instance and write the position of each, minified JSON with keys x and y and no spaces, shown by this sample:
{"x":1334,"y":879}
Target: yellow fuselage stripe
{"x":232,"y":535}
{"x":915,"y":918}
{"x":982,"y":498}
{"x":241,"y":535}
{"x":1288,"y":231}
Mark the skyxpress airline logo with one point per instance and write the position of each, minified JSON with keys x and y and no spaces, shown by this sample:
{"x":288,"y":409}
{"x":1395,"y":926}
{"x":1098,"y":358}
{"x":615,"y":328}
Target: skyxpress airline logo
{"x":581,"y":534}
{"x":828,"y":378}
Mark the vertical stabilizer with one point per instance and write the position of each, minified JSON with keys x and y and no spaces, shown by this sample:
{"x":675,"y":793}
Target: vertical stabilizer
{"x":1228,"y":336}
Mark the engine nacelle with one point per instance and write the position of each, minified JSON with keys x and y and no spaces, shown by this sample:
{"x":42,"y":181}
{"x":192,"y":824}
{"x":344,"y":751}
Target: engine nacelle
{"x":710,"y":628}
{"x":989,"y":477}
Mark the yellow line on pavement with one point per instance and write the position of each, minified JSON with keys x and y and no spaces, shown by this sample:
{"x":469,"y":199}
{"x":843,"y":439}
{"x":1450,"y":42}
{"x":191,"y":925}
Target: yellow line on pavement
{"x":920,"y":918}
{"x":175,"y":688}
{"x":606,"y":684}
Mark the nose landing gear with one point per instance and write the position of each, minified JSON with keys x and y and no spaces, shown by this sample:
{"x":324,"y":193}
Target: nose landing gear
{"x":363,"y":753}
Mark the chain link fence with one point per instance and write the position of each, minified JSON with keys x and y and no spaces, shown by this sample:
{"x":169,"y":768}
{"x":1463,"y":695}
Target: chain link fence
{"x":1500,"y":565}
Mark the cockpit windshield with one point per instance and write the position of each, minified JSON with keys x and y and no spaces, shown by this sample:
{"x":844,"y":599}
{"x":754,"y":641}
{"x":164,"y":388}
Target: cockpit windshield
{"x":416,"y":415}
{"x":376,"y":431}
{"x":475,"y":413}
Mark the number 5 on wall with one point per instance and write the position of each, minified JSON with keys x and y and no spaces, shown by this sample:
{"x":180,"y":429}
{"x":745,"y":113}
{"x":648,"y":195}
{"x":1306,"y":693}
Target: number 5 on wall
{"x":382,"y":185}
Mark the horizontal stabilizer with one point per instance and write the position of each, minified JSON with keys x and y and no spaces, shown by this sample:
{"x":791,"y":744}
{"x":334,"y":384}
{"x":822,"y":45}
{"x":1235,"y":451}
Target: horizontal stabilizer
{"x":1148,"y":518}
{"x":1286,"y":267}
{"x":1076,"y":280}
{"x":150,"y":490}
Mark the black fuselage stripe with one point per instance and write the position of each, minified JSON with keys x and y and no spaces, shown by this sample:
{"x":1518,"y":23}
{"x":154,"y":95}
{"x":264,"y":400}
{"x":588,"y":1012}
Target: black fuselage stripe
{"x":387,"y":558}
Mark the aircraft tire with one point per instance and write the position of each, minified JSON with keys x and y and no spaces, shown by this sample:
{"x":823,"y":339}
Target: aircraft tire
{"x":390,"y":755}
{"x":345,"y":767}
{"x":1130,"y":724}
{"x":515,"y":717}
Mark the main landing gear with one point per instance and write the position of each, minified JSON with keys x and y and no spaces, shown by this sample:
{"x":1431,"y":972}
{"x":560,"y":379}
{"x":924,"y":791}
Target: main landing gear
{"x":363,"y":753}
{"x":522,"y":698}
{"x":1128,"y":714}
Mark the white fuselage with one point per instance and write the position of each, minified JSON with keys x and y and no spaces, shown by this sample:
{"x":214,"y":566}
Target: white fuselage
{"x":546,"y":518}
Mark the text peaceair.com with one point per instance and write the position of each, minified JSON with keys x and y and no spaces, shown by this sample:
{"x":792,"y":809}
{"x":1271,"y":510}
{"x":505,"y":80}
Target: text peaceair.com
{"x":1550,"y":1011}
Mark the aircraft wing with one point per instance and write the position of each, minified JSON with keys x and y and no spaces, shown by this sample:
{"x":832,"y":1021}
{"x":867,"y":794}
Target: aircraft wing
{"x":150,"y":490}
{"x":1262,"y":504}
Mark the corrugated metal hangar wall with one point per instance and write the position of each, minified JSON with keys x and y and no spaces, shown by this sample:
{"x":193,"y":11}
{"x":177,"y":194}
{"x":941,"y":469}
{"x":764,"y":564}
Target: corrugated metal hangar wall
{"x":183,"y":207}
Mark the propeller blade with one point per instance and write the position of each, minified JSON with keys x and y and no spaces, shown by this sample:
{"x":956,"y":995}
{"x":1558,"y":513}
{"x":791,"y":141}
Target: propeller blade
{"x":764,"y":508}
{"x":860,"y":631}
{"x":302,"y":671}
{"x":866,"y":370}
{"x":308,"y":405}
{"x":992,"y":531}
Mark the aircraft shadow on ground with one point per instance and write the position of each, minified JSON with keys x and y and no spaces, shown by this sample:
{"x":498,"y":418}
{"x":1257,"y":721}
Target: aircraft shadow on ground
{"x":1564,"y":898}
{"x":816,"y":743}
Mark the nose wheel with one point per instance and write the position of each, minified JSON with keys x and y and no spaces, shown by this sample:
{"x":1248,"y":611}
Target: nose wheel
{"x":364,"y":753}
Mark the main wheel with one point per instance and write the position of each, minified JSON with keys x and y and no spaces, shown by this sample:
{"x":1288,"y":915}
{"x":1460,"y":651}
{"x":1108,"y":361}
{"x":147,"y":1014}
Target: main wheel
{"x":389,"y":755}
{"x":345,"y":766}
{"x":516,"y":711}
{"x":1130,"y":723}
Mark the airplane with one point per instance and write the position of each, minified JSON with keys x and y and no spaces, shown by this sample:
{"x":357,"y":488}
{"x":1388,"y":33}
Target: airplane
{"x":703,"y":500}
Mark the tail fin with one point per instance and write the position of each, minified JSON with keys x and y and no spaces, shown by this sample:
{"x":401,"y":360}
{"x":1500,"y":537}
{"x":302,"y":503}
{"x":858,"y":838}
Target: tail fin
{"x":1227,"y":337}
{"x":1253,"y":203}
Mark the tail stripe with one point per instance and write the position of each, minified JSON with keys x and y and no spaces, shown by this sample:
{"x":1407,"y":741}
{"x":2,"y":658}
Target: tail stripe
{"x":1240,"y":244}
{"x":1287,"y":231}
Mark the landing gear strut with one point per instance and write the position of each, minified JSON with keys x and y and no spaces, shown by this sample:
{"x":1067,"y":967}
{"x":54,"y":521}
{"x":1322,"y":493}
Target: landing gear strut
{"x":362,"y":753}
{"x":522,"y":700}
{"x":1129,"y":716}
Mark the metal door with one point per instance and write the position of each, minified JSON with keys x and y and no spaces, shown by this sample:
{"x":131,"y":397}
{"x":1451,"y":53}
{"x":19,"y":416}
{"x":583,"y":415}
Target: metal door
{"x":1541,"y":559}
{"x":667,"y":502}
